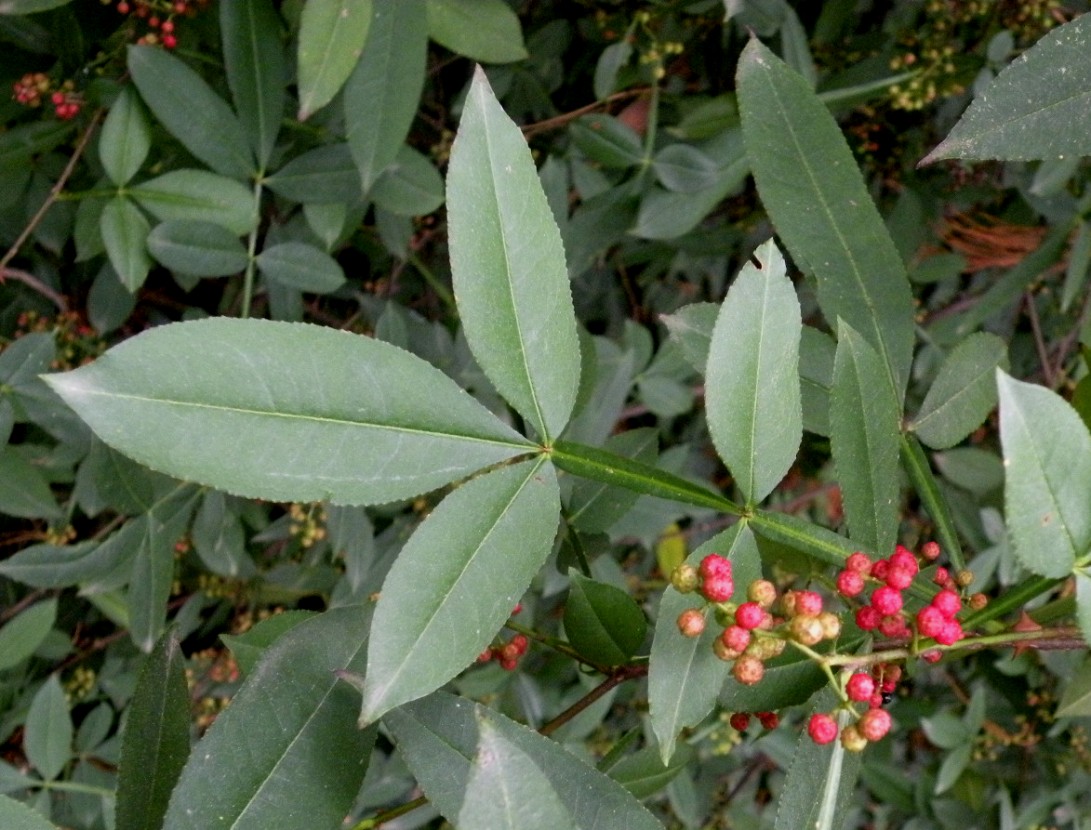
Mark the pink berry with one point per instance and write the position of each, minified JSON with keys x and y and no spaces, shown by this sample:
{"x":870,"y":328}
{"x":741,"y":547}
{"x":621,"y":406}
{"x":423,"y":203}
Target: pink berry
{"x":941,"y":576}
{"x":808,"y":603}
{"x":822,"y":728}
{"x":749,"y":615}
{"x":868,"y":618}
{"x":691,"y":622}
{"x":874,"y":724}
{"x":718,"y":588}
{"x":930,"y":621}
{"x":748,"y":670}
{"x":947,"y":602}
{"x":902,"y":558}
{"x":899,"y":578}
{"x":886,"y":600}
{"x":930,"y":551}
{"x":879,"y":569}
{"x":859,"y":562}
{"x":950,"y":634}
{"x":850,"y":583}
{"x":715,"y":565}
{"x":736,"y":638}
{"x":521,"y":644}
{"x":860,"y":687}
{"x":893,"y":626}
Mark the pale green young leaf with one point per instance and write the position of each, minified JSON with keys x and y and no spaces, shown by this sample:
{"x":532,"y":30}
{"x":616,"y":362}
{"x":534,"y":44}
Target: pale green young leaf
{"x":287,"y":753}
{"x":48,"y":732}
{"x":752,"y":390}
{"x":125,"y":138}
{"x":1039,"y":107}
{"x":810,"y":185}
{"x":963,"y":393}
{"x":437,"y":613}
{"x":15,"y":815}
{"x":191,"y":111}
{"x":124,"y":233}
{"x":201,"y":196}
{"x":382,"y":93}
{"x":506,"y":790}
{"x":155,"y":742}
{"x":508,"y":267}
{"x":439,"y":737}
{"x":332,"y":34}
{"x":684,"y":675}
{"x":1047,"y":481}
{"x":301,"y":266}
{"x":256,"y":69}
{"x":21,"y":635}
{"x":864,"y":438}
{"x":483,"y":30}
{"x":286,"y":412}
{"x":192,"y":246}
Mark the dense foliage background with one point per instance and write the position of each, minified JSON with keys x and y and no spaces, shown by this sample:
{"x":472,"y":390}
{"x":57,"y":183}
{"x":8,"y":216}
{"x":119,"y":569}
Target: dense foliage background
{"x":169,"y":161}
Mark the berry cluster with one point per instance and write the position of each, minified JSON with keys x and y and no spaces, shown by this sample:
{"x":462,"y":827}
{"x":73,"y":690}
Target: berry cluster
{"x":159,"y":17}
{"x":30,"y":89}
{"x":871,"y":688}
{"x":751,"y":634}
{"x":507,"y":654}
{"x":741,"y":720}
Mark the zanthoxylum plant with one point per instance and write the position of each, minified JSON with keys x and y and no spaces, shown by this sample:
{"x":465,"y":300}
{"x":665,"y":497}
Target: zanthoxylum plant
{"x":301,"y":413}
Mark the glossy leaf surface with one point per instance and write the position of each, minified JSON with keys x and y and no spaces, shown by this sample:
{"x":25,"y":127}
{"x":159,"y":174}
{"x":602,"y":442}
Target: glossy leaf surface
{"x":155,"y":743}
{"x":439,"y":737}
{"x":508,"y":266}
{"x":602,"y":622}
{"x":331,"y":38}
{"x":1039,"y":107}
{"x":285,"y":411}
{"x":287,"y":753}
{"x":752,"y":387}
{"x":684,"y":675}
{"x":864,"y":437}
{"x":1047,"y":477}
{"x":456,"y":581}
{"x":810,"y":185}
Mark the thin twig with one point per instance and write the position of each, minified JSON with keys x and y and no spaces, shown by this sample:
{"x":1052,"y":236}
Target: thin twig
{"x":615,"y":679}
{"x":560,"y":120}
{"x":1039,"y":340}
{"x":35,"y":283}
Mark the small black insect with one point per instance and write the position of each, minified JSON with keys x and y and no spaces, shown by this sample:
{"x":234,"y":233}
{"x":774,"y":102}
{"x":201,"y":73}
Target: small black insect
{"x":887,"y":697}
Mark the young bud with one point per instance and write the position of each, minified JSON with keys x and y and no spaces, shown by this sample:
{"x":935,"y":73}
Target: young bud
{"x":685,"y":579}
{"x":763,"y":592}
{"x":852,"y":740}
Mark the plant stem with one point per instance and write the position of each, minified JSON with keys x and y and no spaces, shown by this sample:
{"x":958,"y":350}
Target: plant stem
{"x":251,"y":250}
{"x":616,"y":679}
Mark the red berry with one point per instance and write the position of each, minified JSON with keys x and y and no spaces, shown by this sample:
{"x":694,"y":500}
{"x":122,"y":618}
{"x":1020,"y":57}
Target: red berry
{"x":931,"y":656}
{"x":941,"y":576}
{"x":521,"y":643}
{"x":930,"y":621}
{"x":167,"y":27}
{"x":879,"y":569}
{"x":822,"y":728}
{"x":509,"y":651}
{"x":169,"y":41}
{"x":749,"y":615}
{"x":930,"y":551}
{"x":748,"y":670}
{"x":808,"y":603}
{"x":860,"y":687}
{"x":509,"y":664}
{"x":691,"y":622}
{"x":893,"y":625}
{"x":902,"y":558}
{"x":769,"y":720}
{"x":518,"y":607}
{"x":736,"y":638}
{"x":715,"y":565}
{"x":859,"y":562}
{"x":899,"y":578}
{"x":739,"y":721}
{"x":868,"y":618}
{"x":876,"y":700}
{"x":123,"y":7}
{"x":850,"y":583}
{"x":485,"y":656}
{"x":886,"y":600}
{"x":874,"y":724}
{"x":950,"y":634}
{"x":947,"y":602}
{"x":718,"y":588}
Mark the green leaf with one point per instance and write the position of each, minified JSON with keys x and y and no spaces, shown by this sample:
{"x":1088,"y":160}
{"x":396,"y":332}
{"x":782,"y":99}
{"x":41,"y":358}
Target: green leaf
{"x":683,"y":168}
{"x":286,"y":412}
{"x":963,"y":393}
{"x":124,"y":233}
{"x":438,"y":613}
{"x":25,"y":632}
{"x":814,"y":193}
{"x":864,"y":438}
{"x":814,"y":541}
{"x":191,"y":111}
{"x":125,"y":138}
{"x":248,"y":648}
{"x":47,"y":739}
{"x":506,"y":790}
{"x":54,"y":566}
{"x":199,"y":196}
{"x":483,"y":30}
{"x":619,"y":471}
{"x":643,"y":773}
{"x":684,"y":675}
{"x":15,"y":815}
{"x":932,"y":498}
{"x":789,"y":680}
{"x":439,"y":738}
{"x":607,"y":141}
{"x":820,"y":782}
{"x":219,"y":539}
{"x":691,"y":328}
{"x":602,"y":622}
{"x":1076,"y":699}
{"x":752,"y":387}
{"x":287,"y":752}
{"x":324,"y":174}
{"x":1047,"y":481}
{"x":1083,"y":602}
{"x":155,"y":742}
{"x":255,"y":65}
{"x":382,"y":93}
{"x":1039,"y":107}
{"x":508,"y":267}
{"x":204,"y":249}
{"x":301,"y":266}
{"x":595,"y":506}
{"x":332,"y":34}
{"x":411,"y":186}
{"x":24,"y":491}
